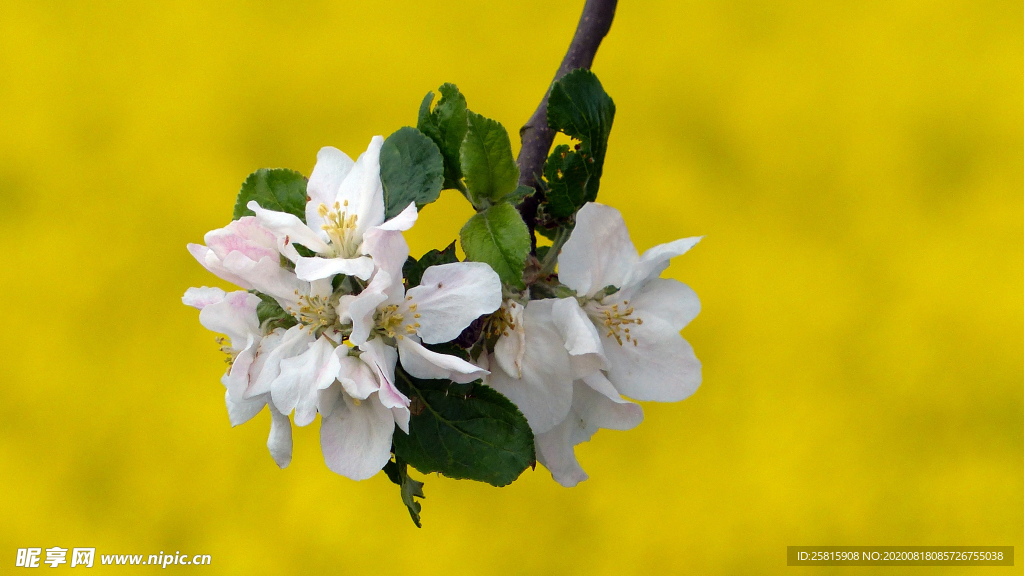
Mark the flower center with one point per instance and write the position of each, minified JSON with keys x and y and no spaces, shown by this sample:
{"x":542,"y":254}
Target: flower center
{"x":616,"y":320}
{"x":227,"y":348}
{"x":502,"y":322}
{"x":341,"y":229}
{"x":314,"y":312}
{"x":390,"y":319}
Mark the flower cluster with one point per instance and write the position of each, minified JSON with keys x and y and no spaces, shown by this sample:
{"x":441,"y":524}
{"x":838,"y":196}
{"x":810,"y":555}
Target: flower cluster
{"x":484,"y":366}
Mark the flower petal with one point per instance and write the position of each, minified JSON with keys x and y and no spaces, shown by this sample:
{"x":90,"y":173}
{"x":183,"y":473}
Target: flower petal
{"x":360,"y":309}
{"x":402,"y":416}
{"x":202,"y":297}
{"x":332,"y":166}
{"x":599,"y":251}
{"x":544,"y":393}
{"x":658,"y":367}
{"x":451,"y":296}
{"x":292,"y":342}
{"x":288,"y":226}
{"x":580,"y":336}
{"x":356,"y":376}
{"x":242,"y":411}
{"x":279,"y":442}
{"x":317,"y":268}
{"x":403,"y":220}
{"x":301,"y":377}
{"x":388,"y":249}
{"x":234,"y":316}
{"x":511,"y":345}
{"x":427,"y":364}
{"x":665,"y":303}
{"x":213,"y":264}
{"x":356,"y":438}
{"x":654,"y":261}
{"x":244,"y":235}
{"x":362,"y":189}
{"x":266,"y":276}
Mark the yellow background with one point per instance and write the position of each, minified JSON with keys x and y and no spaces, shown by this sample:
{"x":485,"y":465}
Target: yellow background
{"x":857,"y":168}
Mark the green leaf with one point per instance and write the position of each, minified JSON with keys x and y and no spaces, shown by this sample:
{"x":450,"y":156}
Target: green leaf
{"x":446,"y":126}
{"x":567,"y":174}
{"x":398,"y":472}
{"x":413,"y":269}
{"x":487,"y":163}
{"x":579,"y":107}
{"x":411,"y":170}
{"x":499,"y":237}
{"x":519,"y":194}
{"x":273,"y":189}
{"x":475,"y":434}
{"x":268,"y":310}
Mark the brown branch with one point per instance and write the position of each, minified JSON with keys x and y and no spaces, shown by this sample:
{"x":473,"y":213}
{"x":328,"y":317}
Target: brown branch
{"x":536,"y":137}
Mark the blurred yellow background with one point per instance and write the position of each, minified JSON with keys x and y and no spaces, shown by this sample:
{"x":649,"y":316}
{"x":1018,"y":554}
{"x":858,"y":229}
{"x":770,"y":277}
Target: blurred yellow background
{"x":857,"y":168}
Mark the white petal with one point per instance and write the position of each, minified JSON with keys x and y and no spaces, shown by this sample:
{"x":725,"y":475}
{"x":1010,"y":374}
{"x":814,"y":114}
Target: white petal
{"x":402,"y":416}
{"x":362,"y":189}
{"x":356,"y":376}
{"x":511,"y":345}
{"x":403,"y":220}
{"x":288,"y":226}
{"x":427,"y":364}
{"x":665,"y":303}
{"x":301,"y":377}
{"x":544,"y":392}
{"x":267,"y":276}
{"x":557,"y":453}
{"x":388,"y":249}
{"x":234,"y":316}
{"x":212,"y":263}
{"x":451,"y":296}
{"x":660,"y":368}
{"x":237,"y":378}
{"x":280,"y":440}
{"x":332,"y":165}
{"x":381,"y":359}
{"x":202,"y":297}
{"x":356,"y":439}
{"x":581,"y":338}
{"x":654,"y":261}
{"x":599,"y":252}
{"x":600,"y":384}
{"x":317,"y":268}
{"x":242,"y":411}
{"x":328,"y":398}
{"x":293,"y":342}
{"x":244,"y":235}
{"x":360,"y":309}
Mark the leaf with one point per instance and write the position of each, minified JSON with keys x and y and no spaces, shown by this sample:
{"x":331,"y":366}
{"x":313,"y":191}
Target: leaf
{"x":268,"y":310}
{"x":487,"y":163}
{"x":519,"y":194}
{"x":277,"y":189}
{"x":567,"y":174}
{"x":398,"y":472}
{"x":411,"y":170}
{"x":475,"y":434}
{"x":499,"y":237}
{"x":446,"y":126}
{"x":413,"y":269}
{"x":579,"y":107}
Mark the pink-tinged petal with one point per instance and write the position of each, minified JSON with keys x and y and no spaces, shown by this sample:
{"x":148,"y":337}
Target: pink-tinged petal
{"x":279,"y":442}
{"x":544,"y":392}
{"x":301,"y":377}
{"x":658,"y":367}
{"x":202,"y":297}
{"x":242,"y":411}
{"x":654,"y":261}
{"x":362,"y":189}
{"x":266,"y":345}
{"x":285,"y":225}
{"x":244,"y":235}
{"x":356,"y":438}
{"x":427,"y":364}
{"x":403,"y":220}
{"x":237,"y":378}
{"x":209,"y":260}
{"x":402,"y":416}
{"x":511,"y":345}
{"x":317,"y":268}
{"x":599,"y":251}
{"x":388,"y":249}
{"x":234,"y":316}
{"x":293,"y":342}
{"x":356,"y":376}
{"x":332,"y":166}
{"x":450,"y":297}
{"x":360,"y":309}
{"x":267,"y":276}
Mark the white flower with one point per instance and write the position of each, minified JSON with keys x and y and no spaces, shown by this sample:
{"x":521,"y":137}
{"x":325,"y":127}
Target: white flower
{"x":245,"y":253}
{"x":234,"y":315}
{"x":448,"y":299}
{"x":346,"y":200}
{"x":635,"y":329}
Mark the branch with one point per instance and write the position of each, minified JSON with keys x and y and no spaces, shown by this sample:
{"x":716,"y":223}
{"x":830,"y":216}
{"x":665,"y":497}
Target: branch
{"x":536,"y":136}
